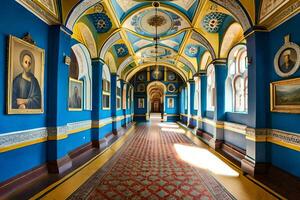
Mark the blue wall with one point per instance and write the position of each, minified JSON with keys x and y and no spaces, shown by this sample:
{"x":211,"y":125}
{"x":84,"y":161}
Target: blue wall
{"x":17,"y":22}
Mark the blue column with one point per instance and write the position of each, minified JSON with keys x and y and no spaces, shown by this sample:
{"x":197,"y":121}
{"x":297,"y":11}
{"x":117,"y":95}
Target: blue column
{"x":220,"y":77}
{"x":202,"y":103}
{"x":219,"y":113}
{"x":57,"y":108}
{"x":97,"y":100}
{"x":258,"y":104}
{"x":192,"y":122}
{"x":123,"y":111}
{"x":113,"y":99}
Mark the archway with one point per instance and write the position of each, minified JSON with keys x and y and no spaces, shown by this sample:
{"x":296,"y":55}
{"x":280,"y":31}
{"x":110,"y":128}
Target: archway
{"x":156,"y":99}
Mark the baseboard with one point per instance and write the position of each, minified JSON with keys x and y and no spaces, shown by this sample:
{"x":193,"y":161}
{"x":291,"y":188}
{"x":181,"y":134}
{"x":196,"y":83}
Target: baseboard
{"x":60,"y":166}
{"x":203,"y":135}
{"x":251,"y":168}
{"x":9,"y":186}
{"x":81,"y":150}
{"x":233,"y":151}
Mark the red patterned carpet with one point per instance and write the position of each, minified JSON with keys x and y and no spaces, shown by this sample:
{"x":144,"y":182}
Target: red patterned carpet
{"x":148,"y":167}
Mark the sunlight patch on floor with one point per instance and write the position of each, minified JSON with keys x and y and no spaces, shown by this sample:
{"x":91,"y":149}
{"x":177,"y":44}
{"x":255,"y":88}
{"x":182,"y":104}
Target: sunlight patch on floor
{"x":204,"y":159}
{"x":174,"y":130}
{"x":168,"y":125}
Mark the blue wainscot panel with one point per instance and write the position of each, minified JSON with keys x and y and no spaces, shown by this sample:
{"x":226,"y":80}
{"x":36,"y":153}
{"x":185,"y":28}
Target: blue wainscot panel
{"x":23,"y":159}
{"x":284,"y":158}
{"x":209,"y":129}
{"x":235,"y":139}
{"x":76,"y":140}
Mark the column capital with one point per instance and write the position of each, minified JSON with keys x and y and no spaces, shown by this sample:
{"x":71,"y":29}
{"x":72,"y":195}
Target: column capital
{"x":219,"y":62}
{"x":98,"y":60}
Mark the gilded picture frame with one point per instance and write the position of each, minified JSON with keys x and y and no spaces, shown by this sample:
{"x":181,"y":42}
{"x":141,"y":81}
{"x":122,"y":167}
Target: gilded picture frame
{"x":171,"y":103}
{"x":285,"y":96}
{"x":25,"y":80}
{"x":75,"y":100}
{"x":141,"y":103}
{"x":287,"y":60}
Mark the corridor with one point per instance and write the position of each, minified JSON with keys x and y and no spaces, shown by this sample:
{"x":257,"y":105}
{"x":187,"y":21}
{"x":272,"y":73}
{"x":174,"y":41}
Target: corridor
{"x":157,"y":161}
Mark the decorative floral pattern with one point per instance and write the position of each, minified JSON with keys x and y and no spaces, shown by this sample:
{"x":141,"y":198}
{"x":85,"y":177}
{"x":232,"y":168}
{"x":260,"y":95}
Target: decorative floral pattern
{"x":213,"y":21}
{"x":121,"y":50}
{"x":101,"y":22}
{"x":191,"y":50}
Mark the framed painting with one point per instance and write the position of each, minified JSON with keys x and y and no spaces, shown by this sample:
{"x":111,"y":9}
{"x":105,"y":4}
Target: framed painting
{"x":171,"y":88}
{"x":285,"y":96}
{"x":170,"y":102}
{"x":141,"y":87}
{"x":287,"y":59}
{"x":141,"y":103}
{"x":75,"y":95}
{"x":25,"y":87}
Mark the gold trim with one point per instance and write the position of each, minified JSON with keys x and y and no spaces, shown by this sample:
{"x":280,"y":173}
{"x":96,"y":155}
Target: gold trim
{"x":283,"y":108}
{"x":81,"y":85}
{"x":11,"y":52}
{"x":23,"y":144}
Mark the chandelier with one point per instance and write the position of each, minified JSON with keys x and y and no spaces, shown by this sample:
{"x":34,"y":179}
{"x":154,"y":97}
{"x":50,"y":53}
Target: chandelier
{"x":156,"y":39}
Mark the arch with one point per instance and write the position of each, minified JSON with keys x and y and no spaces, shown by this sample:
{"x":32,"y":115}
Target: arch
{"x":77,"y":11}
{"x":131,"y":73}
{"x":106,"y":87}
{"x":211,"y":91}
{"x":150,"y":86}
{"x":202,"y":40}
{"x":86,"y":37}
{"x":110,"y":62}
{"x":106,"y":73}
{"x":206,"y":58}
{"x":123,"y":65}
{"x":188,"y":64}
{"x":236,"y":88}
{"x":111,"y":40}
{"x":238,"y":11}
{"x":85,"y":72}
{"x":232,"y":36}
{"x":124,"y":96}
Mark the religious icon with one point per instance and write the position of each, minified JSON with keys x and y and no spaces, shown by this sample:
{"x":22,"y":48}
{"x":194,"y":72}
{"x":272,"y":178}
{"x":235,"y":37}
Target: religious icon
{"x":75,"y":95}
{"x":25,"y":78}
{"x":171,"y":103}
{"x":141,"y":103}
{"x":287,"y":59}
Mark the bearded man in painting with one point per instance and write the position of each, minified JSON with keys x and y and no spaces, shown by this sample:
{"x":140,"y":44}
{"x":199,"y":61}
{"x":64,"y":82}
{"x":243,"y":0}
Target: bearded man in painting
{"x":26,"y":88}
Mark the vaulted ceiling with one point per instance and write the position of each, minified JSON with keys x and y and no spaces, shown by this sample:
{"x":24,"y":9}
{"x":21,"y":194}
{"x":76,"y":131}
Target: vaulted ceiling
{"x":191,"y":33}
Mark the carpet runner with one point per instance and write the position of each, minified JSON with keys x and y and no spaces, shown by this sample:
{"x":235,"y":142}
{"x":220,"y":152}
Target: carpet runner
{"x":148,"y":167}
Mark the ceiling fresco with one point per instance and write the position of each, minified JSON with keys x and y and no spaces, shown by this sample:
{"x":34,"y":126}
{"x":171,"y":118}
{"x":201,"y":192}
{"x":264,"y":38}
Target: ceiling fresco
{"x":145,"y":22}
{"x":189,"y":34}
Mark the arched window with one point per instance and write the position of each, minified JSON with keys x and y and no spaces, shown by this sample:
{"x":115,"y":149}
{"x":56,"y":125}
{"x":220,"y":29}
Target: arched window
{"x":106,"y":88}
{"x":237,"y":80}
{"x":81,"y":69}
{"x":211,"y":89}
{"x":118,"y":92}
{"x":124,"y":96}
{"x":185,"y":98}
{"x":197,"y":92}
